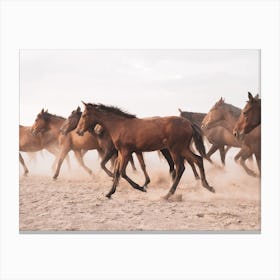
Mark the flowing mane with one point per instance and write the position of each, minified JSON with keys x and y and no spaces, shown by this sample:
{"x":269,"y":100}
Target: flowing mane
{"x":113,"y":109}
{"x":48,"y":116}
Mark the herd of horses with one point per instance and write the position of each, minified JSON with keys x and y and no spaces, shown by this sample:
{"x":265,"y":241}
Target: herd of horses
{"x":116,"y":135}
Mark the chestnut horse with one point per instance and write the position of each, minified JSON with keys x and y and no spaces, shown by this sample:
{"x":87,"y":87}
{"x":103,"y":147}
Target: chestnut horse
{"x":249,"y":122}
{"x":226,"y":115}
{"x":46,"y":122}
{"x":212,"y":134}
{"x":110,"y":152}
{"x":131,"y":134}
{"x":250,"y":117}
{"x":34,"y":143}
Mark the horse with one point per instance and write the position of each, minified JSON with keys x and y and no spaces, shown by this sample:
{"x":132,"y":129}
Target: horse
{"x":249,"y":122}
{"x":131,"y":134}
{"x":34,"y":143}
{"x":226,"y":115}
{"x":46,"y":122}
{"x":212,"y":135}
{"x":250,"y":117}
{"x":110,"y":152}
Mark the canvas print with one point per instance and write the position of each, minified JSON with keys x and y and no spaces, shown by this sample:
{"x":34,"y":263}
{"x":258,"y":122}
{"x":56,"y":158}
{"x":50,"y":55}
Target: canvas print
{"x":140,"y":140}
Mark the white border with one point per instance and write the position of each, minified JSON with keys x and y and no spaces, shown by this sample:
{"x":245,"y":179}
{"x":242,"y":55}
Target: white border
{"x":156,"y":24}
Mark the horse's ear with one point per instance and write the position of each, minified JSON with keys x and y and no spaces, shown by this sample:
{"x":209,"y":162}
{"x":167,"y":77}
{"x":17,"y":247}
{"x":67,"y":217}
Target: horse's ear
{"x":79,"y":109}
{"x":257,"y":96}
{"x":220,"y":101}
{"x":46,"y":111}
{"x":179,"y":110}
{"x":42,"y":111}
{"x":250,"y":96}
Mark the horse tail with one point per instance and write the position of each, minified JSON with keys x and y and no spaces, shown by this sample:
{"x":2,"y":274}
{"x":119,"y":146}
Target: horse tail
{"x":198,"y":140}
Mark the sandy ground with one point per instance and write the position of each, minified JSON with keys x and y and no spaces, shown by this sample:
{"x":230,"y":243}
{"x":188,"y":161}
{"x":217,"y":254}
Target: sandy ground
{"x":77,"y":202}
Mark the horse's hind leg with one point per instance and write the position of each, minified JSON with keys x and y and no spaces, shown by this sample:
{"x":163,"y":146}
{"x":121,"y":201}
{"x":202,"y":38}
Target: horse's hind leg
{"x":189,"y":155}
{"x":23,"y":164}
{"x":180,"y":168}
{"x":79,"y":157}
{"x":193,"y":169}
{"x":132,"y":163}
{"x":170,"y":162}
{"x":143,"y":167}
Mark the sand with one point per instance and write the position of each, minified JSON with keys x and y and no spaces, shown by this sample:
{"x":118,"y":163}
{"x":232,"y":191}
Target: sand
{"x":76,"y":201}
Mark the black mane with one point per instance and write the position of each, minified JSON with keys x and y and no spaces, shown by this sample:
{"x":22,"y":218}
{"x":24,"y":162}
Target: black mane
{"x":114,"y":110}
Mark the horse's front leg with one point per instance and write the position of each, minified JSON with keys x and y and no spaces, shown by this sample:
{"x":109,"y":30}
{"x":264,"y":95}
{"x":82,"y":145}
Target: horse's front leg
{"x":62,"y":155}
{"x":79,"y":157}
{"x":23,"y":164}
{"x":108,"y":155}
{"x":124,"y":158}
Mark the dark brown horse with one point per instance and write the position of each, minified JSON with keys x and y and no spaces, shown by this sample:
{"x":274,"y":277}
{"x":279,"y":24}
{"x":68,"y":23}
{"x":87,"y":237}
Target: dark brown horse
{"x":226,"y":115}
{"x":212,"y":135}
{"x":34,"y":143}
{"x":131,"y":134}
{"x":46,"y":122}
{"x":249,"y":122}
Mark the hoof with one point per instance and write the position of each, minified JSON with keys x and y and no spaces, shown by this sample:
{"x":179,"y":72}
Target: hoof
{"x":90,"y":172}
{"x":54,"y":177}
{"x":211,"y":189}
{"x":166,"y":197}
{"x":143,"y":189}
{"x":197,"y":178}
{"x":252,"y":173}
{"x":25,"y":173}
{"x":108,"y":196}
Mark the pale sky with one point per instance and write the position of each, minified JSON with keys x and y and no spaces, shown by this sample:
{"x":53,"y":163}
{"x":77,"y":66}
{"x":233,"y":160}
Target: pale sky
{"x":142,"y":82}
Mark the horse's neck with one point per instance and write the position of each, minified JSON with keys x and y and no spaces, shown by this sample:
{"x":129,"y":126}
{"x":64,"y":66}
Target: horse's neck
{"x":231,"y":118}
{"x":55,"y":125}
{"x":112,"y":124}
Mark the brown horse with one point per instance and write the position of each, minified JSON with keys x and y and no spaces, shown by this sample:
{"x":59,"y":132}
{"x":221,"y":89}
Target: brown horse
{"x":131,"y":134}
{"x":34,"y":143}
{"x":250,"y":117}
{"x":212,"y":135}
{"x":46,"y":122}
{"x":249,"y":122}
{"x":226,"y":115}
{"x":110,"y":152}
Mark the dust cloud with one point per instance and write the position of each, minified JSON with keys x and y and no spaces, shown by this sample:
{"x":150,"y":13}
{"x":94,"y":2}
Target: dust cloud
{"x":76,"y":200}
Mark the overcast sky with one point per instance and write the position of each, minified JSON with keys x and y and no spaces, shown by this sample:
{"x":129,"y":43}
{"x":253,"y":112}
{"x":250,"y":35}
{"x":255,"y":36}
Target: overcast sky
{"x":143,"y":82}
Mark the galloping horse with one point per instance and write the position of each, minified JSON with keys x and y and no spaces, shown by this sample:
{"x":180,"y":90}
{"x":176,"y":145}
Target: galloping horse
{"x":131,"y":134}
{"x":212,"y":134}
{"x":250,"y":122}
{"x":110,"y":152}
{"x":226,"y":115}
{"x":46,"y":122}
{"x":34,"y":143}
